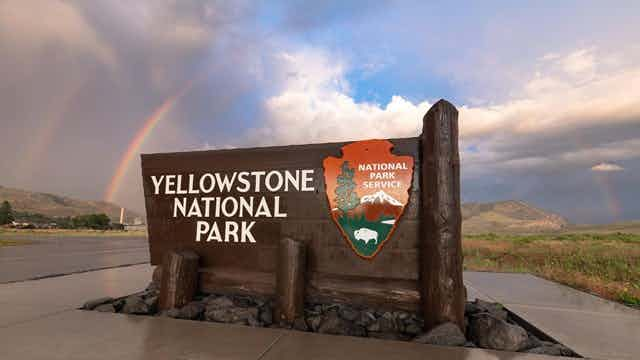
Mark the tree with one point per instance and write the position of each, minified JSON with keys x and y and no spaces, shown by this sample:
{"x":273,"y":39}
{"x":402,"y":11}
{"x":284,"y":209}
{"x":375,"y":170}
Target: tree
{"x":6,"y":214}
{"x":91,"y":221}
{"x":346,"y":196}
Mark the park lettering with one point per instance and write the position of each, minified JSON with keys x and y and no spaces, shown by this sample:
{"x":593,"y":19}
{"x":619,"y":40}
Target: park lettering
{"x":236,"y":195}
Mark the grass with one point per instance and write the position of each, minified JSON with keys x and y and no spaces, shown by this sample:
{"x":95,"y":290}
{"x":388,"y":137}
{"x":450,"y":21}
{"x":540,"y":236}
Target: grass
{"x":71,"y":232}
{"x":5,"y":242}
{"x":607,"y":265}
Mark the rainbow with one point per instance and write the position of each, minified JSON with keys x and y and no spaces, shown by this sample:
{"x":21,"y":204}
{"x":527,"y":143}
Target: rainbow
{"x":137,"y":141}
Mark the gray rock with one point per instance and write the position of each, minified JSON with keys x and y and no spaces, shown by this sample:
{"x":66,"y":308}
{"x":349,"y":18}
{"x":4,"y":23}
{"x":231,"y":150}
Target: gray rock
{"x":135,"y":305}
{"x":172,"y":313}
{"x":386,"y":335}
{"x":387,"y":323}
{"x":92,"y":304}
{"x":152,"y":303}
{"x":232,"y":315}
{"x":348,"y":313}
{"x":447,"y":334}
{"x":300,"y":324}
{"x":495,"y":309}
{"x":266,"y":315}
{"x":546,"y":350}
{"x":105,"y":308}
{"x":333,"y":324}
{"x":553,"y":349}
{"x":219,"y":302}
{"x":365,"y":319}
{"x":493,"y":333}
{"x":191,"y":311}
{"x":469,"y":344}
{"x":532,"y":342}
{"x":412,"y":329}
{"x":314,"y":322}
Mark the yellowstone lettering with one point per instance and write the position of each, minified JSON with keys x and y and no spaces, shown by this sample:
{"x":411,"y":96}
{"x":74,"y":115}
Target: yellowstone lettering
{"x":221,"y":197}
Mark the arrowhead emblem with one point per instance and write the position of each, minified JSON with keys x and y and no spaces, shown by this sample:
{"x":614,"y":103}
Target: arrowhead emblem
{"x":367,"y":189}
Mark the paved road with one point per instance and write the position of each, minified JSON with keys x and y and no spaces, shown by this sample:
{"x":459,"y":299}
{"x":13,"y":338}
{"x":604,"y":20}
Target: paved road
{"x":49,"y":256}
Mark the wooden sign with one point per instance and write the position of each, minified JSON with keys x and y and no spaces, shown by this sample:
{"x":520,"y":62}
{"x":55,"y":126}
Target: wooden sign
{"x":367,"y":189}
{"x":247,"y":212}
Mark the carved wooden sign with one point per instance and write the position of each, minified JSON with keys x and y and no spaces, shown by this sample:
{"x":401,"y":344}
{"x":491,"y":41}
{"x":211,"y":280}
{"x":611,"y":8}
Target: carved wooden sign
{"x":375,"y":222}
{"x":367,"y":189}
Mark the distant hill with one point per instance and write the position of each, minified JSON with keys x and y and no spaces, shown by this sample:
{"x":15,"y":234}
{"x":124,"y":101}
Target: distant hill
{"x":509,"y":216}
{"x":60,"y":206}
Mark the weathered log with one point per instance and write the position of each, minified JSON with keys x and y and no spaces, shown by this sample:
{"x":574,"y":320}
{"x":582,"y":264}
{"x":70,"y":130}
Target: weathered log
{"x":442,"y":289}
{"x":290,"y":280}
{"x":179,"y":279}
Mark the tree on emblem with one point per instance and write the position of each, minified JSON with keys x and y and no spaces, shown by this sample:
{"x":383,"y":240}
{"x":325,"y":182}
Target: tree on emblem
{"x":346,"y":196}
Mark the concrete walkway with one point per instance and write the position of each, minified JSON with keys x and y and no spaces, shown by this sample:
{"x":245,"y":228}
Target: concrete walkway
{"x":38,"y":320}
{"x":30,"y":300}
{"x":591,"y":326}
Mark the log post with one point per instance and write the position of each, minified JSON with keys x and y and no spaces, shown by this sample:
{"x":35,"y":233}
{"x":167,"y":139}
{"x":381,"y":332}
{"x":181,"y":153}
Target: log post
{"x":290,"y":280}
{"x":179,"y":279}
{"x":442,"y":289}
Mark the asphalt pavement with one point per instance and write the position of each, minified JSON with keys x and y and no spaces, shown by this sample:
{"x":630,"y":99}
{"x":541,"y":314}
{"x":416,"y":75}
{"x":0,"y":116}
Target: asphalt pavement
{"x":47,"y":256}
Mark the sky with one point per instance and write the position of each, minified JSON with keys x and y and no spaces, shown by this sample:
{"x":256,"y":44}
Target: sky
{"x":548,"y":92}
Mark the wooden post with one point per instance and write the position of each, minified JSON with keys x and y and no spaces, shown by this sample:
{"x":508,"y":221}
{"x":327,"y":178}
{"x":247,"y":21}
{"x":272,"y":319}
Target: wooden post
{"x":290,"y":280}
{"x":442,"y":290}
{"x":179,"y":279}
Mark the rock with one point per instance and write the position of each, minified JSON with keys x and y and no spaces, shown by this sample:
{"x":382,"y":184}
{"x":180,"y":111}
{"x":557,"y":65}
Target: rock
{"x":152,"y":303}
{"x":365,"y":319}
{"x":546,"y":350}
{"x":333,"y":324}
{"x":232,"y":315}
{"x":314,"y":322}
{"x":447,"y":334}
{"x":553,"y":349}
{"x":242,"y":301}
{"x":412,"y":329}
{"x":471,"y":308}
{"x":495,"y":309}
{"x":532,"y":342}
{"x":105,"y":308}
{"x":469,"y":344}
{"x":266,"y":315}
{"x":300,"y":324}
{"x":387,"y":323}
{"x":192,"y":311}
{"x":172,"y":313}
{"x":118,"y":304}
{"x":92,"y":304}
{"x":135,"y":305}
{"x":386,"y":336}
{"x":219,"y":302}
{"x":348,"y":313}
{"x":493,"y":333}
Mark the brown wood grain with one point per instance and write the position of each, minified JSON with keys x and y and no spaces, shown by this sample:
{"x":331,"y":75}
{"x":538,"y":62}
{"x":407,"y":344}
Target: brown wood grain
{"x":290,"y":280}
{"x":179,"y":279}
{"x":441,"y":244}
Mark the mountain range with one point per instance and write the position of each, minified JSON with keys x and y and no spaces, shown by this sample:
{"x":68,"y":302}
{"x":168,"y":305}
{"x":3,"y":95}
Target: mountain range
{"x":502,"y":216}
{"x":61,"y":206}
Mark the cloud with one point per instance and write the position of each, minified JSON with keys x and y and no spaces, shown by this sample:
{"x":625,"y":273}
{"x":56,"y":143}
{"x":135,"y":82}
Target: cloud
{"x":553,"y":125}
{"x":607,"y":167}
{"x":34,"y":26}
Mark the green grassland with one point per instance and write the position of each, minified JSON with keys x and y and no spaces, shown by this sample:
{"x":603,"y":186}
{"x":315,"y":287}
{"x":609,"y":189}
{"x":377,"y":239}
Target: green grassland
{"x":8,"y":242}
{"x":603,"y":263}
{"x":72,"y":232}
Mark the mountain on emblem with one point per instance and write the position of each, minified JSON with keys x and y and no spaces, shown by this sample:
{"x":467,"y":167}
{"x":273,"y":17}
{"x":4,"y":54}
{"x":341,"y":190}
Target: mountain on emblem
{"x":380,"y":197}
{"x":367,"y":190}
